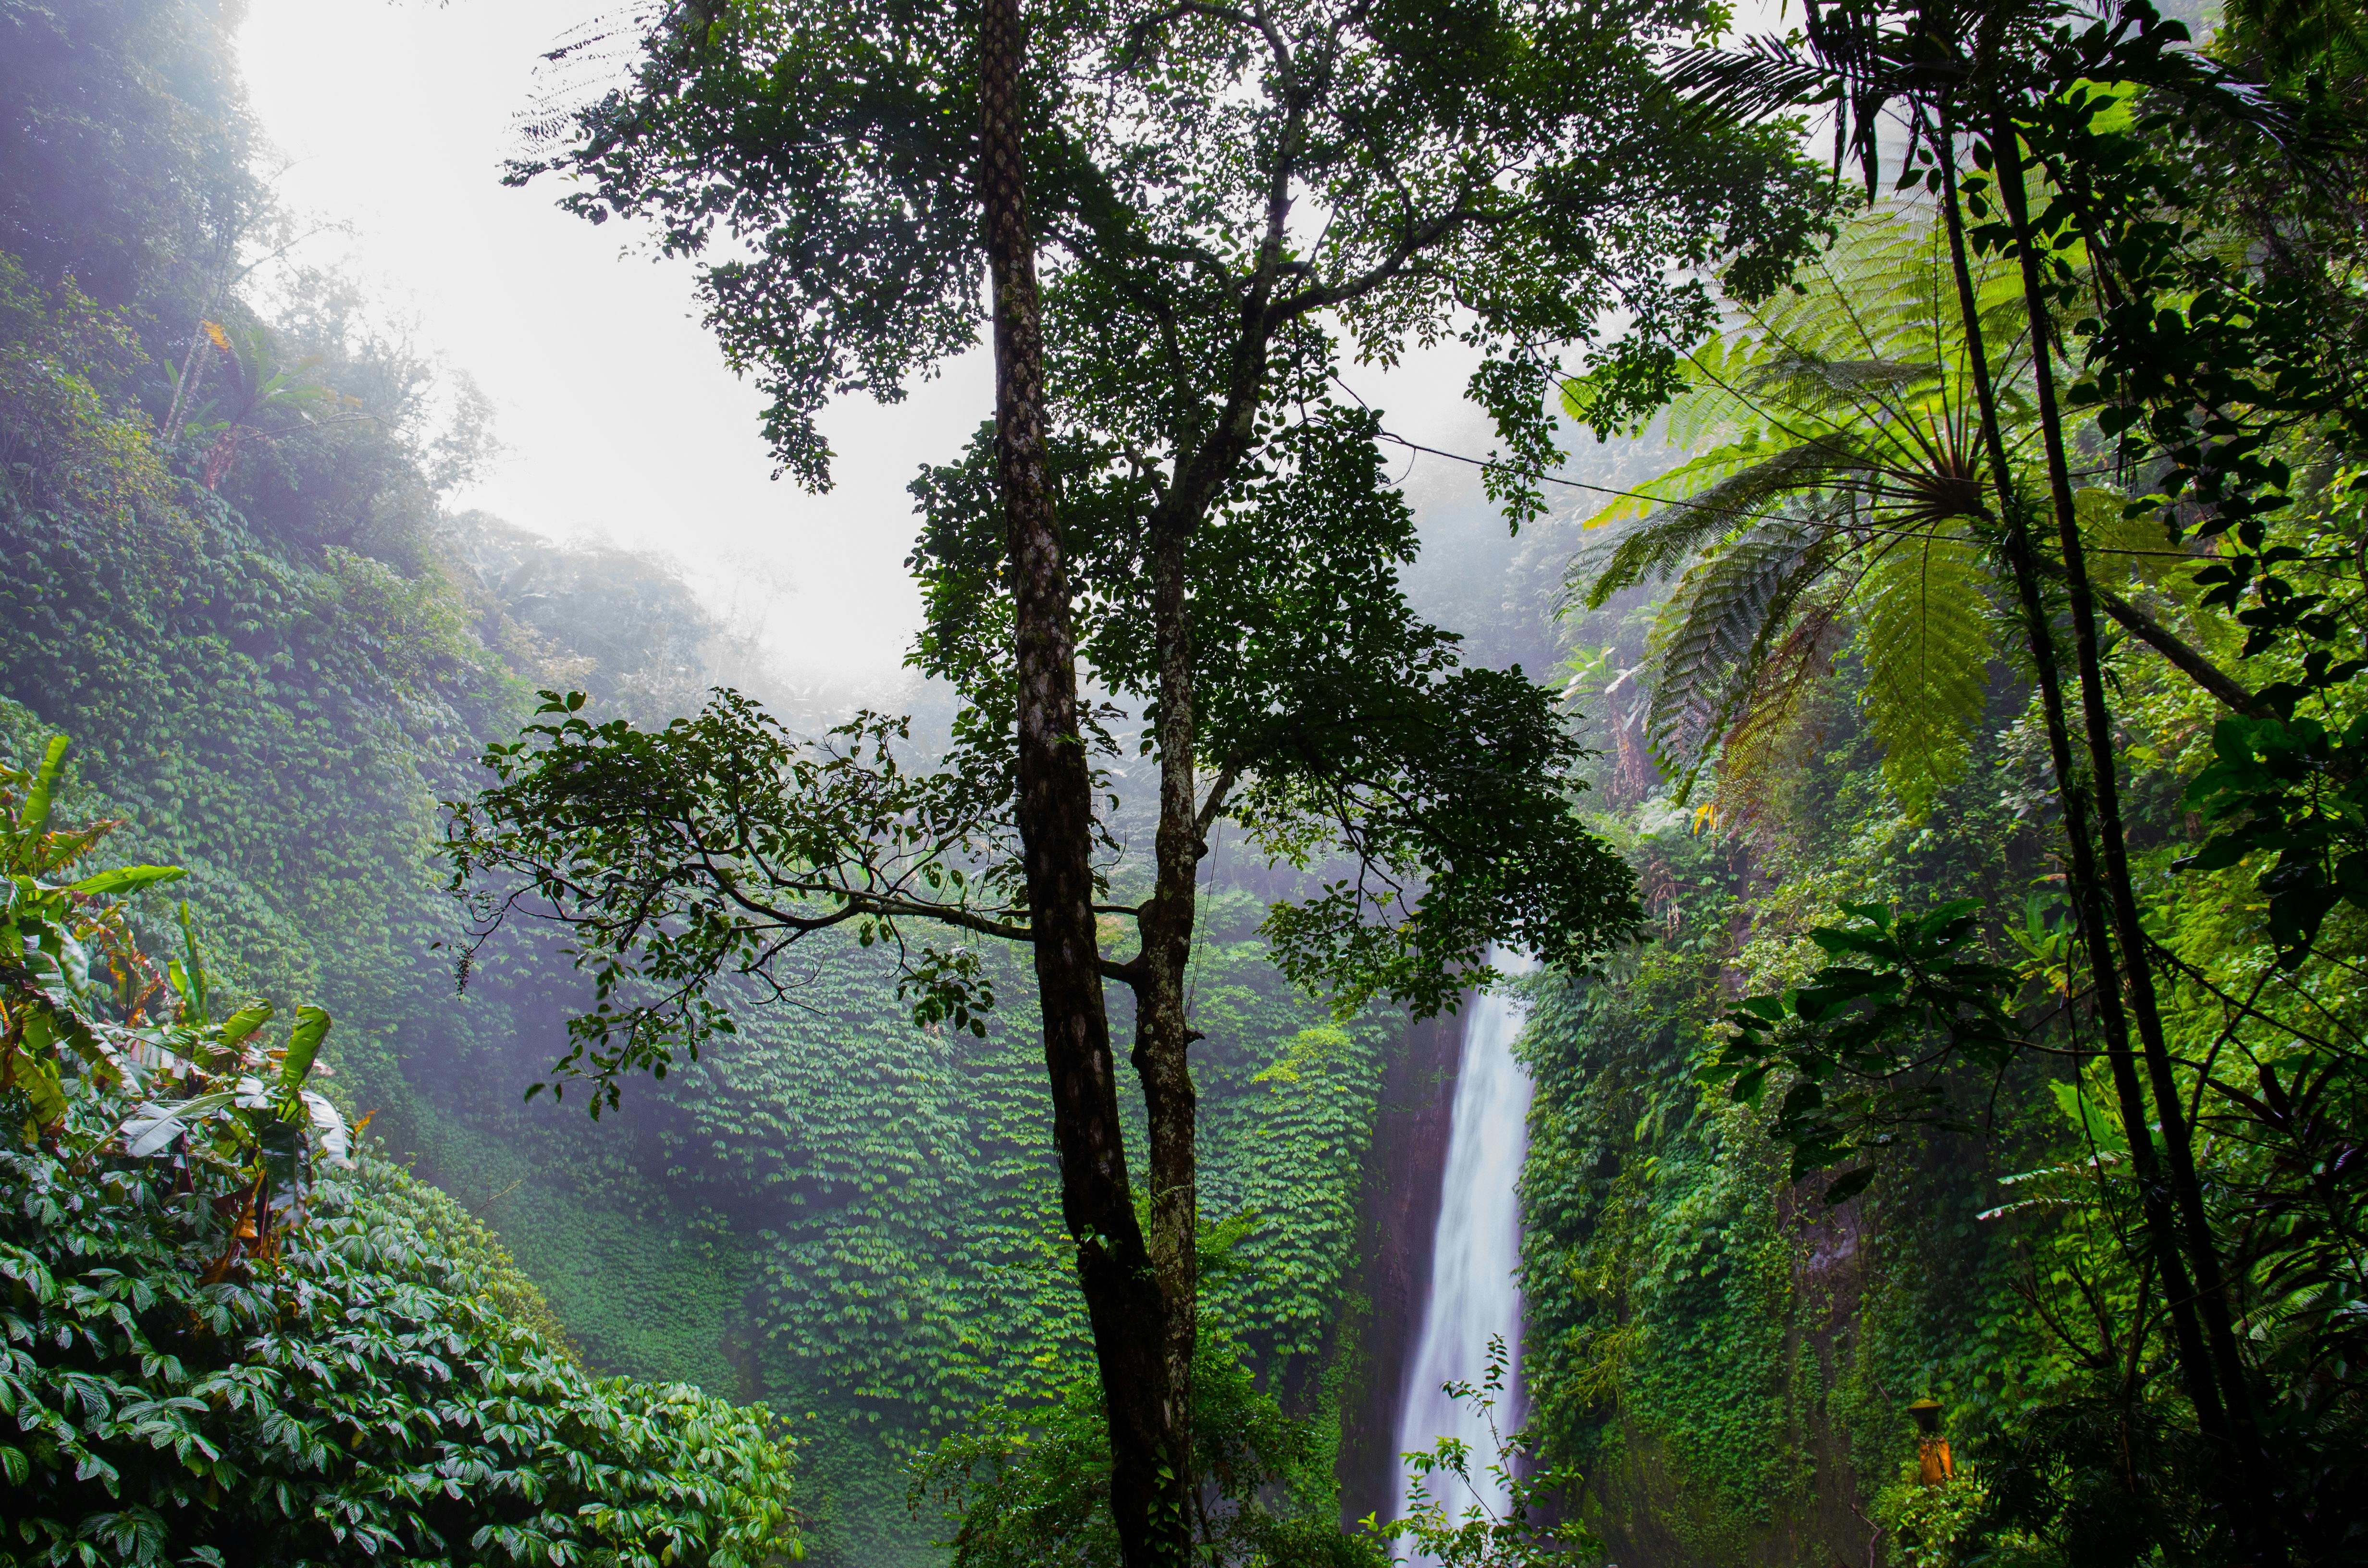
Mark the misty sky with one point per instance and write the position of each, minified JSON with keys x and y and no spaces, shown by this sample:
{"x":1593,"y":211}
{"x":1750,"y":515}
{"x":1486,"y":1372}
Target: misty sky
{"x":621,"y":420}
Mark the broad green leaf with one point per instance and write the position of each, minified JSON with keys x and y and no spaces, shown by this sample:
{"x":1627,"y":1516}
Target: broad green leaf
{"x":245,"y":1022}
{"x":152,"y":1129}
{"x":329,"y":1126}
{"x":198,"y":1005}
{"x":303,"y":1045}
{"x":34,"y":820}
{"x":2094,"y":1125}
{"x":37,"y":1076}
{"x":126,"y":878}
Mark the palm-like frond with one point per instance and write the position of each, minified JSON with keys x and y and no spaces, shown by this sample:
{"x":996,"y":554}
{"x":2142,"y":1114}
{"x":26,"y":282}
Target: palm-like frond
{"x":1926,"y":639}
{"x":1826,"y":425}
{"x":1715,"y":635}
{"x":1750,"y":480}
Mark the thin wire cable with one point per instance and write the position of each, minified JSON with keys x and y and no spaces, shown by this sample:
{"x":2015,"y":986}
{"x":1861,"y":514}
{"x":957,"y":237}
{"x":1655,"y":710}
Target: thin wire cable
{"x":1396,"y":440}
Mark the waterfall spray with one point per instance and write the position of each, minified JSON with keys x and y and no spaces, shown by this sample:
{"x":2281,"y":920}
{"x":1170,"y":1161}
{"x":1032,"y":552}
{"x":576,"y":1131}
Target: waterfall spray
{"x":1473,"y":1293}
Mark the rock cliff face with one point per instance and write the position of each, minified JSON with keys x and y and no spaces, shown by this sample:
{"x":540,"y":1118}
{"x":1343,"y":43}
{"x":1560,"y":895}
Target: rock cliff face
{"x":1398,"y":1216}
{"x":1654,"y":1498}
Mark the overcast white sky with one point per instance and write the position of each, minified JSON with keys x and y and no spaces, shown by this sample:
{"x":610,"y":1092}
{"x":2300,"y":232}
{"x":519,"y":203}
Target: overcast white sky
{"x":621,"y":420}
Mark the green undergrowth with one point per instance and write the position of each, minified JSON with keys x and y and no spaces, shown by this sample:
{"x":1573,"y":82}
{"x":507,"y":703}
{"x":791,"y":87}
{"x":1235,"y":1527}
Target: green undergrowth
{"x":386,"y":1383}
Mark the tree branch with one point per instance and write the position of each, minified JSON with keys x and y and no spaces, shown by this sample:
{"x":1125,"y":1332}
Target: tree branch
{"x":2162,"y":639}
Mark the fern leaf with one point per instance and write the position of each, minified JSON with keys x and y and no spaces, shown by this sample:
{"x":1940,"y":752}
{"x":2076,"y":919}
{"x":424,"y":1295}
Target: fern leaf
{"x":1727,"y":610}
{"x":1665,"y":540}
{"x":1688,"y":479}
{"x":1768,"y":740}
{"x":2121,"y":545}
{"x":1926,"y":641}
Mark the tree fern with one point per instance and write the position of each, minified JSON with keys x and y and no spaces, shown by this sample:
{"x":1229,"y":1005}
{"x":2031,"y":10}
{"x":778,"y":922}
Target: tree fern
{"x":1925,"y":638}
{"x":1848,"y":408}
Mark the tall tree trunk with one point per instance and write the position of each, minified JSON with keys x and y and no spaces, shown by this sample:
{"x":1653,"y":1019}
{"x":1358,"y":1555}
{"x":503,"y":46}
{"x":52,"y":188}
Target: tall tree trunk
{"x":2136,"y":976}
{"x":1163,"y":1023}
{"x":2196,"y":1368}
{"x":1149,"y":1475}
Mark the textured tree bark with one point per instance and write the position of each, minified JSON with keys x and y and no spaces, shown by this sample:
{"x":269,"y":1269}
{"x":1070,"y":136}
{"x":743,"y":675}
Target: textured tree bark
{"x":2259,"y":1532}
{"x":1163,"y":1024}
{"x":1124,"y":1302}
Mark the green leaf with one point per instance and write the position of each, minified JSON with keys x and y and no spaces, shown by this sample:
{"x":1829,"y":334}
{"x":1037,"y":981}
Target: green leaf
{"x":245,"y":1022}
{"x":1844,"y":1187}
{"x":2093,"y":1124}
{"x":38,"y":1077}
{"x":303,"y":1045}
{"x":1750,"y":1085}
{"x":34,"y":820}
{"x":198,"y":1005}
{"x":1926,"y":647}
{"x":152,"y":1129}
{"x":125,"y":878}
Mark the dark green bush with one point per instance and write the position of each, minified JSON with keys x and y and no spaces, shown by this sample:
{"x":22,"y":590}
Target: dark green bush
{"x":224,"y":1342}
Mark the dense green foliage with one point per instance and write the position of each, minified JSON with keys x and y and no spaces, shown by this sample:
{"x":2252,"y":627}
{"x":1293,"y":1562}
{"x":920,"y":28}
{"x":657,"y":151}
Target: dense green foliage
{"x":217,"y":1349}
{"x":360,"y":1391}
{"x":1030,"y":1487}
{"x":2138,"y":1366}
{"x":276,"y":680}
{"x":226,"y":568}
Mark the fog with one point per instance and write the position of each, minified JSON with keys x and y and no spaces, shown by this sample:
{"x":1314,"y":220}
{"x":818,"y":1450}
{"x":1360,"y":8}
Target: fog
{"x":620,"y":421}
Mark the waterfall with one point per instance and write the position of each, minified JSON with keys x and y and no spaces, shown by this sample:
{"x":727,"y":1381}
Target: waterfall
{"x":1473,"y":1294}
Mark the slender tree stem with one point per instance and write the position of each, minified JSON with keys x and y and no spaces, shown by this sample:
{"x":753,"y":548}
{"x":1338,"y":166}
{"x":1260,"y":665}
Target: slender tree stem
{"x":2137,"y":978}
{"x":1163,"y":1030}
{"x":2087,"y":901}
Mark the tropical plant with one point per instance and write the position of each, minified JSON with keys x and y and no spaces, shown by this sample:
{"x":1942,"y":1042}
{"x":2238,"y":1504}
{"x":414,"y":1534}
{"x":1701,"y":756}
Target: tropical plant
{"x":219,"y":1347}
{"x":1869,"y":1047}
{"x":263,"y":399}
{"x":1024,"y":1486}
{"x":2196,"y":365}
{"x":1837,"y":477}
{"x":1499,"y":1518}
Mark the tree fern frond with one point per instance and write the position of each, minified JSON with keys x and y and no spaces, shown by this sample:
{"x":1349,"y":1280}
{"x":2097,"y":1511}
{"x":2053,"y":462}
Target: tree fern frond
{"x":2121,"y":545}
{"x":1925,"y":640}
{"x":1726,"y":611}
{"x":1806,"y":377}
{"x":1687,"y":480}
{"x":1670,"y":536}
{"x":1767,"y":735}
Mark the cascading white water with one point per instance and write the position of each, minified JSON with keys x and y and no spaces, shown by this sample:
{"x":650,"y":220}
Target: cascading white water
{"x":1473,"y":1293}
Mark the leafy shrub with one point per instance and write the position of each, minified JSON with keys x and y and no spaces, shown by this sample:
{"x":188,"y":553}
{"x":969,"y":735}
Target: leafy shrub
{"x":224,"y":1341}
{"x":1504,"y":1518}
{"x":1025,"y":1487}
{"x":1932,"y":1526}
